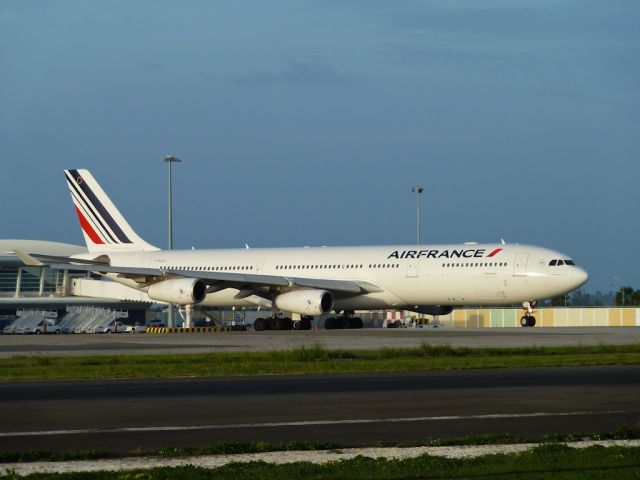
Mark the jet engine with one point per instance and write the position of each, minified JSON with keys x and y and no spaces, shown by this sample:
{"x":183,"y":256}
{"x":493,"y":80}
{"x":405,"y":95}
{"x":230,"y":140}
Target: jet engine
{"x":305,"y":302}
{"x":182,"y":291}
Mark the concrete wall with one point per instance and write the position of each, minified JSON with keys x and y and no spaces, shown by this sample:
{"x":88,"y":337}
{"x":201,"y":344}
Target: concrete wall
{"x":545,"y":317}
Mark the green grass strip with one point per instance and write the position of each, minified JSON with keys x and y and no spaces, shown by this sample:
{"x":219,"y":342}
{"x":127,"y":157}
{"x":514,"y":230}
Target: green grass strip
{"x":311,"y":360}
{"x":556,"y":462}
{"x":230,"y":448}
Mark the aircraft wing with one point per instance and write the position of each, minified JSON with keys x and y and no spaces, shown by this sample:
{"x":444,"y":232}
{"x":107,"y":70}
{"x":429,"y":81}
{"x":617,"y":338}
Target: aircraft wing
{"x":248,"y":279}
{"x":221,"y":280}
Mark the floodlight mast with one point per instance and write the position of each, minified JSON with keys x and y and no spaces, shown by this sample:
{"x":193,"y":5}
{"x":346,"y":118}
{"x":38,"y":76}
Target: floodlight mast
{"x":170,"y":159}
{"x":417,"y":190}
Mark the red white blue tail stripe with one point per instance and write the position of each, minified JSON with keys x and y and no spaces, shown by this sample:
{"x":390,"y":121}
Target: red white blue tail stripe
{"x":103,"y":225}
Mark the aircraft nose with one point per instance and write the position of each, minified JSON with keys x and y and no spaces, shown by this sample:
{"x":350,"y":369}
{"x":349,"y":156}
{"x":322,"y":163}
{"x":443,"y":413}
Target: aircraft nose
{"x":580,"y":276}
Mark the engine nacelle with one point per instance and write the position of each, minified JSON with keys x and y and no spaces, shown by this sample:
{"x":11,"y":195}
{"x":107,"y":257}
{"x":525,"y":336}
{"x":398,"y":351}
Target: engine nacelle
{"x":183,"y":291}
{"x":305,"y":302}
{"x":431,"y":309}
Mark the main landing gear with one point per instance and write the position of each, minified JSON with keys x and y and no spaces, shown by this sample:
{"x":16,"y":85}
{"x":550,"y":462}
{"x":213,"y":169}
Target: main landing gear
{"x":528,"y":320}
{"x":282,"y":323}
{"x":347,"y":320}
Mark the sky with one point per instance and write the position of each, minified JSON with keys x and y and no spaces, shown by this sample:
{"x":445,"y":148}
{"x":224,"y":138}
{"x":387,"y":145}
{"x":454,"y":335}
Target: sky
{"x":307,"y":122}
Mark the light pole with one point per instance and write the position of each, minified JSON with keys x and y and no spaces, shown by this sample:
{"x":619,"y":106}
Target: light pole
{"x":417,"y":190}
{"x":170,"y":159}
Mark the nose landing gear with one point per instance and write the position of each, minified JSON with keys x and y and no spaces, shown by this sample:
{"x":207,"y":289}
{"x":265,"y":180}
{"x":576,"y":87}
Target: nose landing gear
{"x":528,"y":320}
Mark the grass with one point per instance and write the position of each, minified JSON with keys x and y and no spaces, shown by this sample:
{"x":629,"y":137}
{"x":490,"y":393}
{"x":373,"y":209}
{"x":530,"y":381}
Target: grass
{"x":220,"y":448}
{"x":310,"y":360}
{"x":229,"y":448}
{"x":550,"y":461}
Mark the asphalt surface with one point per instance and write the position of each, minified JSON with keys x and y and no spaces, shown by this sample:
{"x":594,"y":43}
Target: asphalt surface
{"x":121,"y":344}
{"x":351,"y":410}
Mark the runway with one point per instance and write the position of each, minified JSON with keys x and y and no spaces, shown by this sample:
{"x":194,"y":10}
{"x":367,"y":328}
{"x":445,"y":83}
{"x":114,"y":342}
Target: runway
{"x":149,"y":344}
{"x":351,"y":410}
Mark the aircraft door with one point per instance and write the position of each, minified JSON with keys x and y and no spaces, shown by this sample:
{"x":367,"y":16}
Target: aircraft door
{"x":412,"y":269}
{"x":259,"y":266}
{"x":520,"y":265}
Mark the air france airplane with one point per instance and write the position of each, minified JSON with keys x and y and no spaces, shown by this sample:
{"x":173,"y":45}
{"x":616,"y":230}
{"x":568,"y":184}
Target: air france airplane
{"x":430,"y":279}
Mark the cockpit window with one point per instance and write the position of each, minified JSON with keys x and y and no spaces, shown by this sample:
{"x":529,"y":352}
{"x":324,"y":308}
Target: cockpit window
{"x":569,"y":262}
{"x":553,"y":263}
{"x":560,"y":262}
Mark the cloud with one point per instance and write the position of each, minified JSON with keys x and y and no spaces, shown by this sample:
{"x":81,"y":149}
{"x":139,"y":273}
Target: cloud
{"x":307,"y":71}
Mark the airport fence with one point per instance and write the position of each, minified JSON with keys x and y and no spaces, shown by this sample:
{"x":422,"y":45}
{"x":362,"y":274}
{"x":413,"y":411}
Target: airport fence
{"x":510,"y":317}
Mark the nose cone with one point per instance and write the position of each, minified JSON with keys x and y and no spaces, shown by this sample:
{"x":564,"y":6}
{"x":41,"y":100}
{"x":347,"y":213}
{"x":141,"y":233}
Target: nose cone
{"x":579,"y":277}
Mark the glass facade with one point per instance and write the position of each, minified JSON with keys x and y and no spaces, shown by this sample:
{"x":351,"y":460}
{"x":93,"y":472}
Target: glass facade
{"x":30,"y":281}
{"x":8,"y":278}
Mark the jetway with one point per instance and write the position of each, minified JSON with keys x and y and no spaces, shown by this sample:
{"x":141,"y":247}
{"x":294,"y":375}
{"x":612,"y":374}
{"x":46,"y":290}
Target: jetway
{"x":87,"y":287}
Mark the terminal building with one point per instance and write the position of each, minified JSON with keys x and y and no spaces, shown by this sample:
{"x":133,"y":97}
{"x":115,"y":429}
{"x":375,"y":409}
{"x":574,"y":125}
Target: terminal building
{"x":24,"y":288}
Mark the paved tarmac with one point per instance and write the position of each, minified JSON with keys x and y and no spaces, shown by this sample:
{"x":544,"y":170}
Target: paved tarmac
{"x":87,"y":344}
{"x":351,"y":410}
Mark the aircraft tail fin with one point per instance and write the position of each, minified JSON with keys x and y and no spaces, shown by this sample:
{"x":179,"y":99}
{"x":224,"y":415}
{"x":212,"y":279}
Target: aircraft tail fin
{"x":103,"y":226}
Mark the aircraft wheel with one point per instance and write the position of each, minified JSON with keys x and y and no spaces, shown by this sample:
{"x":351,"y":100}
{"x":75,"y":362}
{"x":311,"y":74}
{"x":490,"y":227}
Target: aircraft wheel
{"x":260,"y":324}
{"x":524,"y":321}
{"x":297,"y":325}
{"x":356,"y":322}
{"x":277,"y":323}
{"x":287,"y":323}
{"x":305,"y":323}
{"x":37,"y":332}
{"x":330,"y":323}
{"x":532,"y":322}
{"x":345,"y":322}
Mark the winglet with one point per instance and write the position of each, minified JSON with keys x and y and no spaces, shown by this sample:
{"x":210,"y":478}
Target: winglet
{"x":28,"y":259}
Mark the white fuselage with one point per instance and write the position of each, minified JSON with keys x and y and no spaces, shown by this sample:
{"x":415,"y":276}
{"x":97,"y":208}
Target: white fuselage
{"x":406,"y":276}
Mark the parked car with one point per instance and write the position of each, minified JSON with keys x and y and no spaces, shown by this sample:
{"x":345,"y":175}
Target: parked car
{"x":46,"y":325}
{"x":115,"y":326}
{"x":137,"y":328}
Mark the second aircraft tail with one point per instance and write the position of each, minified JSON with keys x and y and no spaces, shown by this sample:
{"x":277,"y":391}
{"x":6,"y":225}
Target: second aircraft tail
{"x":103,"y":226}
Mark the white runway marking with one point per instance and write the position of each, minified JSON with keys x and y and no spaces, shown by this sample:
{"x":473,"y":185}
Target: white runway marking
{"x":305,"y":423}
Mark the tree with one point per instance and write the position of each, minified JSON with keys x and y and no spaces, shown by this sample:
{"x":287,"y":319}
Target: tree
{"x":580,"y":298}
{"x":560,"y":301}
{"x":627,"y":296}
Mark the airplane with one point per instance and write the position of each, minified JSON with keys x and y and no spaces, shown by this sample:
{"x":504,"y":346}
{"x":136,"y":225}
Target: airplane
{"x":431,"y":279}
